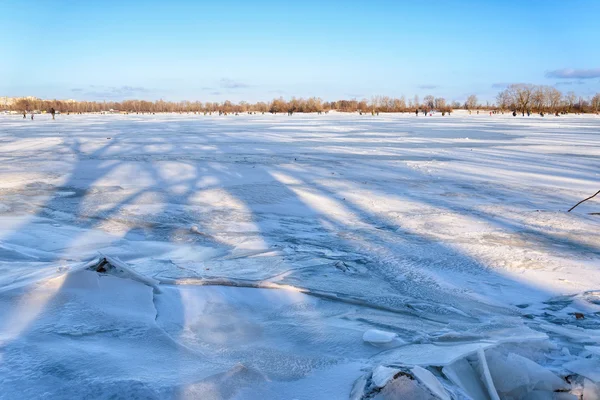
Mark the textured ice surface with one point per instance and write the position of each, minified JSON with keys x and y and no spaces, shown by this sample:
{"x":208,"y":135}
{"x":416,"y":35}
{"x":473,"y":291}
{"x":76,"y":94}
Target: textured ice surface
{"x":432,"y":354}
{"x":394,"y":223}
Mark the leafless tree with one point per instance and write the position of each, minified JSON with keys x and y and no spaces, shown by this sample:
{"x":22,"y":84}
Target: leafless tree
{"x":440,"y":104}
{"x":472,"y":103}
{"x":429,"y":102}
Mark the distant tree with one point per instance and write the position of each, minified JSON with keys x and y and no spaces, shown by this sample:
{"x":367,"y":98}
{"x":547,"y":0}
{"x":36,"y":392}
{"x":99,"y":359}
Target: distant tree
{"x":471,"y":103}
{"x":429,"y":102}
{"x":440,"y":104}
{"x":520,"y":96}
{"x":570,"y":100}
{"x":552,"y":96}
{"x":595,"y":103}
{"x":538,"y":98}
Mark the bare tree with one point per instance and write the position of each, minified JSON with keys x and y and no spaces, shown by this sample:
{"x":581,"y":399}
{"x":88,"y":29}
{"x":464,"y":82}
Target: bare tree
{"x":440,"y":104}
{"x":570,"y":100}
{"x":538,"y":98}
{"x":504,"y":100}
{"x":471,"y":103}
{"x":429,"y":102}
{"x":595,"y":103}
{"x":520,"y":96}
{"x":553,"y":97}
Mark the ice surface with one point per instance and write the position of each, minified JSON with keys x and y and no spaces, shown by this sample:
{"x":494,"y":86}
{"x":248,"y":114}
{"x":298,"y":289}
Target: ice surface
{"x":382,"y":375}
{"x":590,"y":368}
{"x":514,"y":376}
{"x":377,"y":336}
{"x":430,"y":382}
{"x":593,"y":349}
{"x":393,"y":224}
{"x":431,"y":354}
{"x":225,"y":385}
{"x":484,"y":371}
{"x":462,"y":374}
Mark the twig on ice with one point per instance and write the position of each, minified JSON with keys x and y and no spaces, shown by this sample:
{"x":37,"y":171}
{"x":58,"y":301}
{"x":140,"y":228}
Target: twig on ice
{"x":592,"y":196}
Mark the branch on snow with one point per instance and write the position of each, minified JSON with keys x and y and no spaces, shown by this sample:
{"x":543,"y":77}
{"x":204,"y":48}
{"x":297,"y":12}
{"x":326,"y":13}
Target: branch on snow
{"x":592,"y":196}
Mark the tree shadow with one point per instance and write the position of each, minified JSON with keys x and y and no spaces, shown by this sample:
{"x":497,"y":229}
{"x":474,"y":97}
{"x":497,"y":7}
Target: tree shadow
{"x":272,"y":219}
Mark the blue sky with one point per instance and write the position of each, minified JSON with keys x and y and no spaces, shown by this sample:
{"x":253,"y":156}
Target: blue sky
{"x":211,"y":51}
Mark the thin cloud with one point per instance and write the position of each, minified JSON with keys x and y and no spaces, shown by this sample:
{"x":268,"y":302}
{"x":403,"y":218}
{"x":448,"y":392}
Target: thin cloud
{"x":428,"y":86}
{"x":569,"y":83}
{"x":226,"y":83}
{"x":500,"y":85}
{"x":111,"y":92}
{"x":569,"y":73}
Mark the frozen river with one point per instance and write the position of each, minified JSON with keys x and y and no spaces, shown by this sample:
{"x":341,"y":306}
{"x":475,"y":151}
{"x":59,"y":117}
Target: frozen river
{"x":307,"y":257}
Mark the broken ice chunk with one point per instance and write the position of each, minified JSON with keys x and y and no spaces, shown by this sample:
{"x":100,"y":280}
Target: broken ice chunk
{"x":587,"y":367}
{"x":462,"y":374}
{"x":515,"y":376}
{"x":382,"y":375}
{"x":375,"y":336}
{"x":484,"y":370}
{"x":431,"y":354}
{"x":430,"y":382}
{"x":593,"y":349}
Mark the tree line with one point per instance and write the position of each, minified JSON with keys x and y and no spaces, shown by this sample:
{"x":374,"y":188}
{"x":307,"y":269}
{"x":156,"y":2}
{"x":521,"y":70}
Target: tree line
{"x":517,"y":97}
{"x":527,"y":98}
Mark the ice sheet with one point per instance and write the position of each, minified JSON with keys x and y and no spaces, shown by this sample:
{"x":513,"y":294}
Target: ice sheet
{"x":357,"y":223}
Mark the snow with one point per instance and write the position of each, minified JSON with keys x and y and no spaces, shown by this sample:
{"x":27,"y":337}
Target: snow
{"x":268,"y":256}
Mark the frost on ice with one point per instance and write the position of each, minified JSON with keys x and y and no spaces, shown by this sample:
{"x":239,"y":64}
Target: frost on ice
{"x":332,"y":257}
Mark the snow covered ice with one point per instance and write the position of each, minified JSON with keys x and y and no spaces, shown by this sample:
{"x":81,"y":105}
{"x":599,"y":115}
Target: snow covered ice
{"x":268,"y":256}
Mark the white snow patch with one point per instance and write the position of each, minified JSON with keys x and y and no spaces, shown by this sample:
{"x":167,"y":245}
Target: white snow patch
{"x":376,"y":336}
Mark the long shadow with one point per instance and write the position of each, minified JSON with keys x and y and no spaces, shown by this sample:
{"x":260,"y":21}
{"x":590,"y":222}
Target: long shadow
{"x":322,"y":251}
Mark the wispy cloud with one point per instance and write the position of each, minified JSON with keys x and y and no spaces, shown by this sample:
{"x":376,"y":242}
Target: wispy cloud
{"x":569,"y":83}
{"x":428,"y":86}
{"x":111,"y":92}
{"x":500,"y":85}
{"x":569,"y":73}
{"x":226,"y":83}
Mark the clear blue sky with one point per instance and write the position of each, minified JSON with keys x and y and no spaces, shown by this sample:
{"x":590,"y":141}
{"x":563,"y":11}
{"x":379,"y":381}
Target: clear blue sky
{"x":257,"y":50}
